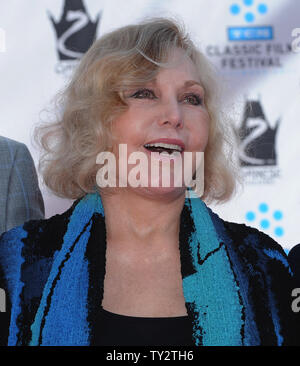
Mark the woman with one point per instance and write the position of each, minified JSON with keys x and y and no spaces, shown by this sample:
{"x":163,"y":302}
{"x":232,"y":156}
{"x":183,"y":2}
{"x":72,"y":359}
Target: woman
{"x":142,"y":265}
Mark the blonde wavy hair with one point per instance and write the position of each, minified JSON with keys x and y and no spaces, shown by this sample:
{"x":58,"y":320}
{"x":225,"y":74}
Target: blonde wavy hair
{"x":93,"y":98}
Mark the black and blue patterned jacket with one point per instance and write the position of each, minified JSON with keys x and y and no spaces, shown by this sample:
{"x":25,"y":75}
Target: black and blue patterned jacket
{"x":237,"y":282}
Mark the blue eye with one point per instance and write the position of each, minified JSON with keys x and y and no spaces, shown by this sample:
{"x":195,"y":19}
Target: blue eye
{"x":143,"y":93}
{"x":194,"y":99}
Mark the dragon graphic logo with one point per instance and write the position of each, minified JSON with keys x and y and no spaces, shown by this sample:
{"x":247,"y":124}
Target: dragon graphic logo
{"x":257,"y":144}
{"x":75,"y":32}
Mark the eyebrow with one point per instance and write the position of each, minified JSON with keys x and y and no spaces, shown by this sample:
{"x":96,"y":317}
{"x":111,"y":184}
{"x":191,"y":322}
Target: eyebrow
{"x":192,"y":82}
{"x":185,"y":85}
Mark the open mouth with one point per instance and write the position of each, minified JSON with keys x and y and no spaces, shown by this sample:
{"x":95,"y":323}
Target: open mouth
{"x":163,"y":148}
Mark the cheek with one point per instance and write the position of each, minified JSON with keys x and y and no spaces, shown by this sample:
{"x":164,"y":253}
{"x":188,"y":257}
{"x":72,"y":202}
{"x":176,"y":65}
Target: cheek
{"x":122,"y":128}
{"x":127,"y":130}
{"x":199,"y":135}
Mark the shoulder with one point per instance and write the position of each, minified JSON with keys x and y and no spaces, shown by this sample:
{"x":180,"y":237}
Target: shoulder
{"x":294,"y":260}
{"x":35,"y":238}
{"x":294,"y":253}
{"x":12,"y":152}
{"x":252,"y":236}
{"x":7,"y":144}
{"x":254,"y":245}
{"x":264,"y":274}
{"x":28,"y":251}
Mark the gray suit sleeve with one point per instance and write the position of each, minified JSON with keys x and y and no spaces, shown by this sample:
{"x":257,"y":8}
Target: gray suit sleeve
{"x":24,"y":200}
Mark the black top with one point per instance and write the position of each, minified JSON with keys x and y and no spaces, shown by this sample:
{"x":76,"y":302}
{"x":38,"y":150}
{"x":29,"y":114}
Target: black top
{"x":120,"y":330}
{"x":294,"y":261}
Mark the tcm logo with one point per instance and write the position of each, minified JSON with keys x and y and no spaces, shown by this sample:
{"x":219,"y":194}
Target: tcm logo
{"x":2,"y":40}
{"x":296,"y":41}
{"x":248,"y":11}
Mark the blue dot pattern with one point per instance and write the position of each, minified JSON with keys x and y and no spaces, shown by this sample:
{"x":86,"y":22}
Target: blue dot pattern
{"x":278,"y":231}
{"x":250,"y":216}
{"x":262,"y":8}
{"x":277,"y":215}
{"x":265,"y":223}
{"x":235,"y":9}
{"x":263,"y":207}
{"x":249,"y":16}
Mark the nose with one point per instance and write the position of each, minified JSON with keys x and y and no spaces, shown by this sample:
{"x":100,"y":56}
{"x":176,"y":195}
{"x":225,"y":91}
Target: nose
{"x":171,"y":114}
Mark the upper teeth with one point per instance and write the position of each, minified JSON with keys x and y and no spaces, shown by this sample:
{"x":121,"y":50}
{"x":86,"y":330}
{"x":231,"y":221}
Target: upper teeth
{"x":168,"y":146}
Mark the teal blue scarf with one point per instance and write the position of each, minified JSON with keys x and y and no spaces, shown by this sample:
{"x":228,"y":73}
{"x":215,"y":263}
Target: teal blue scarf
{"x":217,"y":287}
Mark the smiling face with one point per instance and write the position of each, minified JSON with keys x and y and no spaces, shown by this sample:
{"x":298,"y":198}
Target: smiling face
{"x":169,"y":110}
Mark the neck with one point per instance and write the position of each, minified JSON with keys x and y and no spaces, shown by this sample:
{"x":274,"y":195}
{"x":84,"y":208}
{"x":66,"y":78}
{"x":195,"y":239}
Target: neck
{"x":140,"y":220}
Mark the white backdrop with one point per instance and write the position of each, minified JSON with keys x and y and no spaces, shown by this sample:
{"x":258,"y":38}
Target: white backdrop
{"x":250,"y":42}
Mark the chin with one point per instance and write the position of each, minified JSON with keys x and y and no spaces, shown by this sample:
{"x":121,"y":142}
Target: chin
{"x":161,"y":191}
